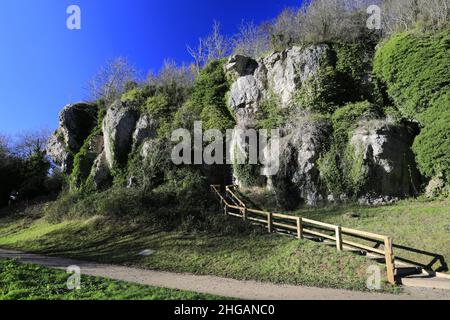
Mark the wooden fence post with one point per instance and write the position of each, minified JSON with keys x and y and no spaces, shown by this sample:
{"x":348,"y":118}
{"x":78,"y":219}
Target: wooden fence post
{"x":269,"y":222}
{"x":390,"y":263}
{"x":244,"y":213}
{"x":225,"y":209}
{"x":299,"y":228}
{"x":339,"y":238}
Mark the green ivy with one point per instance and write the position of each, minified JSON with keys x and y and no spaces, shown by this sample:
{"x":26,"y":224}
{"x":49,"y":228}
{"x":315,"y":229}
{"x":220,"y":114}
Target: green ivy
{"x":208,"y":101}
{"x":342,"y":168}
{"x":415,"y":68}
{"x":83,"y":160}
{"x":270,"y":116}
{"x":432,"y":146}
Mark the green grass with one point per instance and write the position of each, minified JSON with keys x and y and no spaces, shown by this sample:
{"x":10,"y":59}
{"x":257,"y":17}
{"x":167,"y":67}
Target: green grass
{"x":417,"y":224}
{"x":422,"y":225}
{"x":251,"y":256}
{"x":31,"y":282}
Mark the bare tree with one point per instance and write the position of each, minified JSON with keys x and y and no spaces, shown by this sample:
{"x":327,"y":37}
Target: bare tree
{"x":198,"y":54}
{"x":286,"y":28}
{"x":110,"y":81}
{"x":214,"y":46}
{"x":171,"y":73}
{"x":217,"y":45}
{"x":4,"y":145}
{"x":252,"y":40}
{"x":28,"y":142}
{"x":402,"y":15}
{"x":436,"y":12}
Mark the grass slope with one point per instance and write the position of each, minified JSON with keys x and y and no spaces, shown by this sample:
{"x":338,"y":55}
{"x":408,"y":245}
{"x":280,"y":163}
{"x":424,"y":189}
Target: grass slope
{"x":417,"y":224}
{"x":256,"y":256}
{"x":31,"y":282}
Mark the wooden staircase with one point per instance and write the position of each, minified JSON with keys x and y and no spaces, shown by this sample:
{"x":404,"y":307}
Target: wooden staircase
{"x":374,"y":246}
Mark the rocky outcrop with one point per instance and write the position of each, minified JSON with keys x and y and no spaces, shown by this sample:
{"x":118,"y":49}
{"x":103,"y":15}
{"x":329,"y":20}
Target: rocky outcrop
{"x":287,"y":71}
{"x":281,"y":74}
{"x":57,"y":150}
{"x":145,"y":128}
{"x":76,"y":122}
{"x":298,"y":178}
{"x":100,"y":173}
{"x":385,"y":148}
{"x":118,"y":127}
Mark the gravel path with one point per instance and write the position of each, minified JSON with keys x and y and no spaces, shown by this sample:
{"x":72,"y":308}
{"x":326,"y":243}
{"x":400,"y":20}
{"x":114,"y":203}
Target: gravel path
{"x":248,"y":290}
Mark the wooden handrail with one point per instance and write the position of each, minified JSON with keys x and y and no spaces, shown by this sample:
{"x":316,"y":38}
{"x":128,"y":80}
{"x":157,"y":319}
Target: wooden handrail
{"x":227,"y":188}
{"x":272,"y":222}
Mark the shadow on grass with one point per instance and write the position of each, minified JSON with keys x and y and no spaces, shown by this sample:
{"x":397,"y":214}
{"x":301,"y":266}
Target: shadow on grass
{"x":429,"y":261}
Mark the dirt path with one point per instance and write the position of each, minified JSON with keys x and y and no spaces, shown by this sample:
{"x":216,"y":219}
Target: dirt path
{"x":249,"y":290}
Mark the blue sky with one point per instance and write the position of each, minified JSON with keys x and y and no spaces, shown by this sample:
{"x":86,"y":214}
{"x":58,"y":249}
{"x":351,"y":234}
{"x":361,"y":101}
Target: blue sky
{"x":44,"y":66}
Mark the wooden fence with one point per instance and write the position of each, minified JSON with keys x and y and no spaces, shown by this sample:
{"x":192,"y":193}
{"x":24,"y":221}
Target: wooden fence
{"x":300,"y":227}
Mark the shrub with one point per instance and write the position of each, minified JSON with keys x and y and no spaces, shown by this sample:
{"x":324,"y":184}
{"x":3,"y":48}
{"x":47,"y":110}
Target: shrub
{"x":432,"y":146}
{"x":214,"y":117}
{"x":84,"y":159}
{"x":211,"y":85}
{"x":353,"y":64}
{"x":136,"y":97}
{"x":415,"y":68}
{"x":208,"y":102}
{"x":341,"y":79}
{"x":148,"y":172}
{"x":158,"y":106}
{"x":270,"y":116}
{"x":249,"y":175}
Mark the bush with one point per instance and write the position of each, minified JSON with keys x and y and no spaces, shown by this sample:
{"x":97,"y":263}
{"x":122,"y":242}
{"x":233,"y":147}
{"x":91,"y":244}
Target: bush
{"x":432,"y":146}
{"x":211,"y":85}
{"x":341,"y":78}
{"x":249,"y":175}
{"x":270,"y":116}
{"x":136,"y":97}
{"x":415,"y":68}
{"x":321,"y":93}
{"x":353,"y":64}
{"x":149,"y":173}
{"x":208,"y":102}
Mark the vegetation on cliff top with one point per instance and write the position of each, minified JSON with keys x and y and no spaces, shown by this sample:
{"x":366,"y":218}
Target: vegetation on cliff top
{"x":415,"y":69}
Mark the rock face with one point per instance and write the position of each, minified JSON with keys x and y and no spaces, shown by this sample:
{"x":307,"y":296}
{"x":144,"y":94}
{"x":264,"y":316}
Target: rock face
{"x":386,"y":147}
{"x":100,"y":172}
{"x":386,"y":151}
{"x":281,"y":74}
{"x":57,"y":150}
{"x":76,"y":122}
{"x":145,"y":128}
{"x":94,"y":146}
{"x":298,"y":179}
{"x":118,"y":127}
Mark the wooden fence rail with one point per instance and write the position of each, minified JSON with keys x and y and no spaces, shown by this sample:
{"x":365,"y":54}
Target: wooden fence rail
{"x":300,"y":227}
